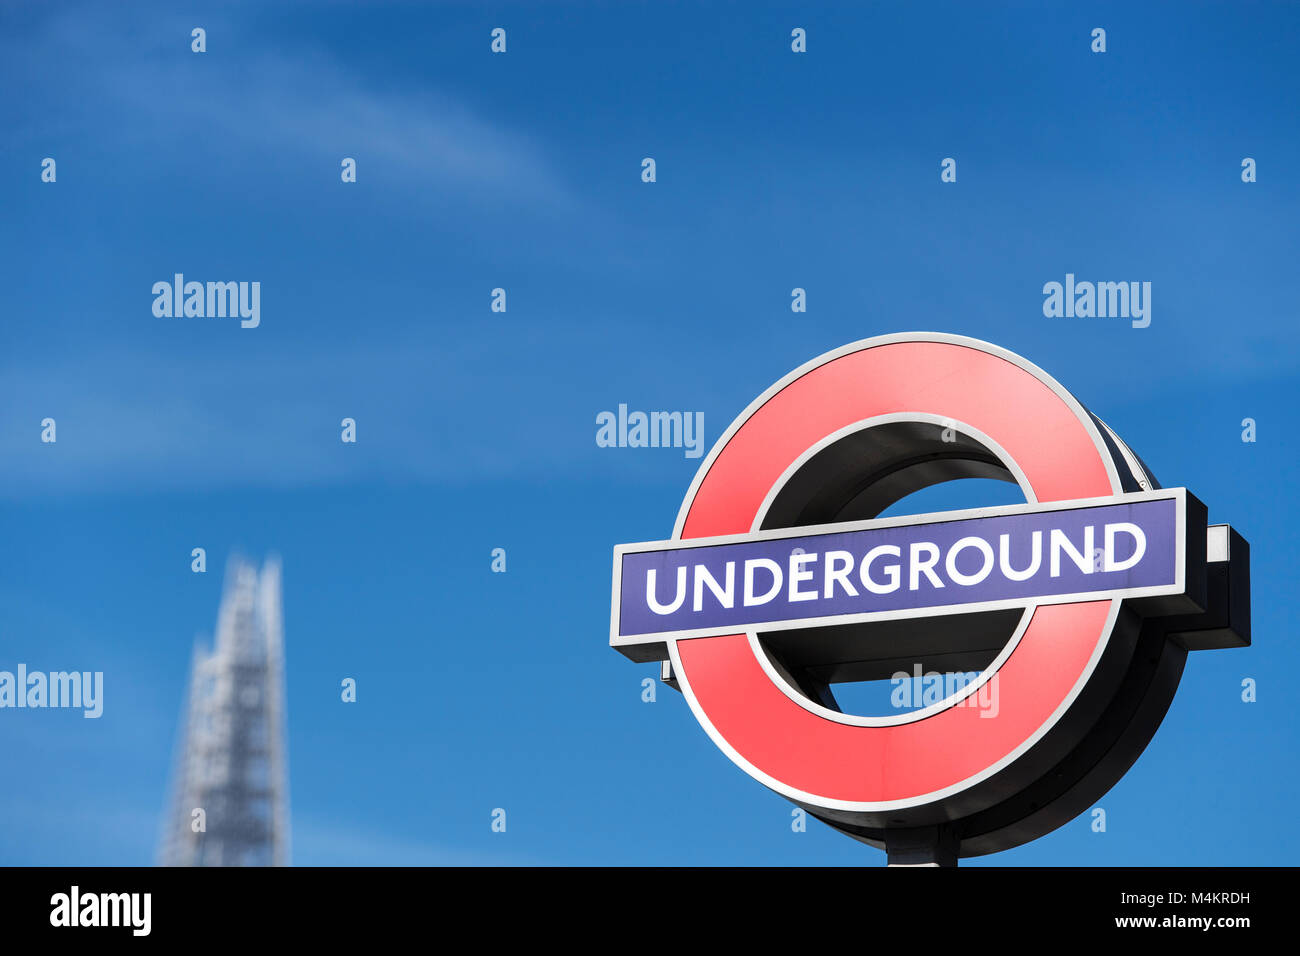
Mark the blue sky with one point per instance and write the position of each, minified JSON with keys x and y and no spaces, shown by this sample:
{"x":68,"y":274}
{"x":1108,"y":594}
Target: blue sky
{"x":476,"y":429}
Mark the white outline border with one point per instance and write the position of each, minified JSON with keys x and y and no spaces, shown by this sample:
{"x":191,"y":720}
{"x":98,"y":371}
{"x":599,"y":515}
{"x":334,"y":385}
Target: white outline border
{"x":919,"y":800}
{"x":1177,"y":586}
{"x":989,"y":672}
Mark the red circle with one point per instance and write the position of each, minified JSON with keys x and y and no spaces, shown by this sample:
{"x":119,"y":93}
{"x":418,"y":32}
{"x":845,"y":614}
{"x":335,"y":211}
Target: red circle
{"x":843,"y":763}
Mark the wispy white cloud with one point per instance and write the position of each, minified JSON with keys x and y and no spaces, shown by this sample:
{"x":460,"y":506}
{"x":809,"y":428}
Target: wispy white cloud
{"x":460,"y":408}
{"x":114,"y":74}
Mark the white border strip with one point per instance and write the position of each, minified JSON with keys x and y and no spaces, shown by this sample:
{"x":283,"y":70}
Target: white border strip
{"x":1178,"y":586}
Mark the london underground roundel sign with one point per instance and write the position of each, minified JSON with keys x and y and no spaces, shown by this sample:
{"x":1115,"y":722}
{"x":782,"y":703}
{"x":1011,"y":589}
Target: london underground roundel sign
{"x":1074,"y":611}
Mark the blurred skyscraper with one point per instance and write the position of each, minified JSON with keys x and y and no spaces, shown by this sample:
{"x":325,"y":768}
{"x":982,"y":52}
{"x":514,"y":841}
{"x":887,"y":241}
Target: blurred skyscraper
{"x":229,"y":802}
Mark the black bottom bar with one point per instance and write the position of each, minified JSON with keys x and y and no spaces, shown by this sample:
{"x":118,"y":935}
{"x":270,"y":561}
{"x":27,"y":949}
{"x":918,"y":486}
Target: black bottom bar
{"x":211,"y":906}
